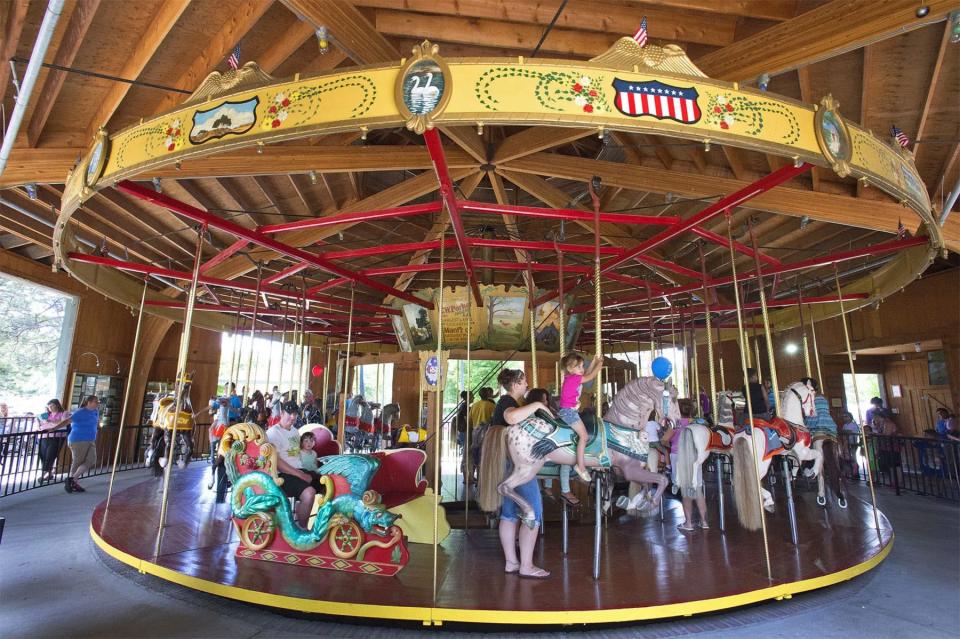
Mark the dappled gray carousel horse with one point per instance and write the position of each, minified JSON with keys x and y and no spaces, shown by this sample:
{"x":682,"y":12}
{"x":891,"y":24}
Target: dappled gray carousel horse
{"x":621,"y":444}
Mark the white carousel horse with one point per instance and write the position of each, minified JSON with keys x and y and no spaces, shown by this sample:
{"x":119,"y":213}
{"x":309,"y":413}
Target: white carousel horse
{"x":535,"y":441}
{"x":823,"y":432}
{"x":698,"y":440}
{"x":776,"y":437}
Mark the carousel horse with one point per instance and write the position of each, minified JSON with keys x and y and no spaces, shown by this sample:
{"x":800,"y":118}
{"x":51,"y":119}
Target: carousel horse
{"x":170,"y":425}
{"x":823,"y":432}
{"x":540,"y":438}
{"x":698,"y":440}
{"x":779,"y":436}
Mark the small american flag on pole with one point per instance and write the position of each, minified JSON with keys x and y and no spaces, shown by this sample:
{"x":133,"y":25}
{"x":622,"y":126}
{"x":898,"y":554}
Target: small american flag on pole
{"x":901,"y":230}
{"x":640,"y":37}
{"x":234,"y":58}
{"x":900,"y":137}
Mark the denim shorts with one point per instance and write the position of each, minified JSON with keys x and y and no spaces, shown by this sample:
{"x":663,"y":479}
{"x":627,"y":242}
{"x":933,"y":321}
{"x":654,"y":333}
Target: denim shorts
{"x":530,"y":491}
{"x":569,"y":416}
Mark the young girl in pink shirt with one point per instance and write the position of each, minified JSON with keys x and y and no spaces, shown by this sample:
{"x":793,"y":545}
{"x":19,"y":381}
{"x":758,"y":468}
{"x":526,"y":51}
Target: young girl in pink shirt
{"x":574,"y":376}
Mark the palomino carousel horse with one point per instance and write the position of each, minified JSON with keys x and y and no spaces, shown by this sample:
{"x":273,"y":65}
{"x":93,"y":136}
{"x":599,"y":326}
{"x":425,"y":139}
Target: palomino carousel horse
{"x":776,"y":437}
{"x":170,"y":424}
{"x":539,"y":439}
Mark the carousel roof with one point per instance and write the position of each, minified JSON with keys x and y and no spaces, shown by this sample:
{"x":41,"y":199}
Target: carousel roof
{"x":885,"y":66}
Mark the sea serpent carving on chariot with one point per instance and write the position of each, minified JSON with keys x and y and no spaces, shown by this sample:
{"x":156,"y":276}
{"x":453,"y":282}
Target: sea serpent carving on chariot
{"x":349,"y":529}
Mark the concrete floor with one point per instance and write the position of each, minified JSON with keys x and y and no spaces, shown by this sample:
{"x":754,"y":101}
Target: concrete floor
{"x":55,"y":583}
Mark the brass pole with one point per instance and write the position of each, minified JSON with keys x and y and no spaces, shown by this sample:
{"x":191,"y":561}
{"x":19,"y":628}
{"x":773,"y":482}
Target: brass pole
{"x":816,"y":353}
{"x":233,"y":346}
{"x":706,"y":304}
{"x":856,"y":398}
{"x":746,"y":386}
{"x":723,"y":375}
{"x":771,"y":360}
{"x":345,"y":389}
{"x":803,"y":331}
{"x":297,"y":328}
{"x":253,"y":330}
{"x":181,"y":377}
{"x":283,"y":345}
{"x":597,"y":318}
{"x":756,"y":349}
{"x":561,"y":310}
{"x":126,"y":402}
{"x":269,"y":359}
{"x":326,"y":380}
{"x":534,"y":377}
{"x":649,"y":323}
{"x":438,"y":409}
{"x":301,"y":372}
{"x":466,"y":438}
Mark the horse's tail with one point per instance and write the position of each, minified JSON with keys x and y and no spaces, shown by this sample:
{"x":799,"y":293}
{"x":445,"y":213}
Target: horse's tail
{"x":831,"y":468}
{"x":492,"y":456}
{"x":685,"y":474}
{"x":744,"y":485}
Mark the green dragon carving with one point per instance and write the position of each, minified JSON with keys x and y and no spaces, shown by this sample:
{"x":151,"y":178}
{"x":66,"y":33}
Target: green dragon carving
{"x":257,"y":492}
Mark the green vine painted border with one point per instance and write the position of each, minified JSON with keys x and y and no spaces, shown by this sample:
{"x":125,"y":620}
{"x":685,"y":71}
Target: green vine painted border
{"x":724,"y":112}
{"x":552,"y":89}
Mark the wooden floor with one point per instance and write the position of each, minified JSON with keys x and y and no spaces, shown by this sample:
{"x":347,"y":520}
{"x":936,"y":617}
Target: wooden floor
{"x":649,"y":569}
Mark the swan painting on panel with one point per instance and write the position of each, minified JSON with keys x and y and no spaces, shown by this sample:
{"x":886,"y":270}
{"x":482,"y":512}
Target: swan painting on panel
{"x":423,"y":87}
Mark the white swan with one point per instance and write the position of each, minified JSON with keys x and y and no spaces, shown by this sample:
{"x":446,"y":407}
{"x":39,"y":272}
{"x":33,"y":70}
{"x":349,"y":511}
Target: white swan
{"x":431,"y":94}
{"x":416,"y":96}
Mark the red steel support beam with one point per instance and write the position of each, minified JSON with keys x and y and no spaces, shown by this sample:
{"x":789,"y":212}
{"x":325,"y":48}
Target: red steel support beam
{"x":435,"y":148}
{"x":762,"y":185}
{"x":565,"y":214}
{"x":193,"y":213}
{"x":737,"y":246}
{"x":285,"y":273}
{"x":223,"y":255}
{"x":359,"y":216}
{"x":724,"y":308}
{"x":266,"y":312}
{"x":148,"y":269}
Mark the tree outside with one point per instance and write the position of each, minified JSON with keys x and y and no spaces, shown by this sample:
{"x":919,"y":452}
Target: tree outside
{"x":31,"y":327}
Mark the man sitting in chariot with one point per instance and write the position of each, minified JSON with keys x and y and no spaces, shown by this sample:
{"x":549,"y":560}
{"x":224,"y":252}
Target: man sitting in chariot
{"x":297,"y":483}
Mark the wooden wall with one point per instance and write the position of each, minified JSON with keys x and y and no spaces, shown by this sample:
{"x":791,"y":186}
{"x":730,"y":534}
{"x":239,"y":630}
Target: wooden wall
{"x":203,"y":361}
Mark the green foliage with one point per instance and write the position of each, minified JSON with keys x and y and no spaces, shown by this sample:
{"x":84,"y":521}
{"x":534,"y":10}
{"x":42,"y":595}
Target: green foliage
{"x":31,"y":321}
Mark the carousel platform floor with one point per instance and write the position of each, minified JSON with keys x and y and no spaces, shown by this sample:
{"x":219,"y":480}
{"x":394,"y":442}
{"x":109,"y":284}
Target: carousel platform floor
{"x":649,"y":569}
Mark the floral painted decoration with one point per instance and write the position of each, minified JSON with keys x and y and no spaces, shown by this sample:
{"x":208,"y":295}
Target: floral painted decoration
{"x":727,"y":112}
{"x":552,"y":89}
{"x":174,"y":133}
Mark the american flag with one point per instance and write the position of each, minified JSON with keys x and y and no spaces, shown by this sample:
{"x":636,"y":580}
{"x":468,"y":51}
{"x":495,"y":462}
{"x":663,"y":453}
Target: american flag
{"x":901,"y":230}
{"x":234,"y":59}
{"x":656,"y":99}
{"x":640,"y":37}
{"x":900,"y":137}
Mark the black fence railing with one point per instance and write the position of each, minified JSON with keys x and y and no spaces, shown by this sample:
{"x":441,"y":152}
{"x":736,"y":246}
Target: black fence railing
{"x":921,"y":465}
{"x":28,"y":456}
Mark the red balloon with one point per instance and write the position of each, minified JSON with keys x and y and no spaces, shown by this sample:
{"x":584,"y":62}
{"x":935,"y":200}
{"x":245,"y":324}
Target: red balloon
{"x":317,"y":370}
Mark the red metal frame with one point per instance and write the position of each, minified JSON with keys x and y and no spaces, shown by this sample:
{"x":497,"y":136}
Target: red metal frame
{"x":223,"y":255}
{"x":213,"y":221}
{"x":353,"y":217}
{"x":435,"y":148}
{"x":566,"y":214}
{"x":134,"y":267}
{"x":267,"y":312}
{"x":737,"y":246}
{"x":285,"y":273}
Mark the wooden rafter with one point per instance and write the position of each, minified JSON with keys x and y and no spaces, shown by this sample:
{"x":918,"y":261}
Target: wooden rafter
{"x":534,"y":139}
{"x":16,"y":15}
{"x":76,"y":31}
{"x":829,"y":30}
{"x":350,"y":30}
{"x":918,"y":144}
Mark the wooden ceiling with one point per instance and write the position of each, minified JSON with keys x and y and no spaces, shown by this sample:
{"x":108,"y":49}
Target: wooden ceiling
{"x":883,"y":64}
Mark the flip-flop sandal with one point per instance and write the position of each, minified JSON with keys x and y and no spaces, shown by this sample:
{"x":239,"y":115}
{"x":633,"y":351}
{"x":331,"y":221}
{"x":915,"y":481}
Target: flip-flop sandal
{"x":514,"y":571}
{"x":683,"y":528}
{"x":704,"y":525}
{"x":540,"y":574}
{"x":573,"y":501}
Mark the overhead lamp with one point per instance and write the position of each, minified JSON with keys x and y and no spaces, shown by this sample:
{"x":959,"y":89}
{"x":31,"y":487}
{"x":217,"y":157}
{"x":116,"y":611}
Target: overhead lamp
{"x":791,"y":348}
{"x":323,"y":40}
{"x":954,"y":27}
{"x":31,"y":190}
{"x":313,"y":177}
{"x":763,"y":81}
{"x":922,"y":11}
{"x":156,"y":185}
{"x":917,"y":347}
{"x":804,"y":221}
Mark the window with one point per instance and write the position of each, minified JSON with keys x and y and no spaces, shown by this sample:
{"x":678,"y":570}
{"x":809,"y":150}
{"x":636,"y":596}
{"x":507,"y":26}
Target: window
{"x":36,"y":334}
{"x":869,"y":385}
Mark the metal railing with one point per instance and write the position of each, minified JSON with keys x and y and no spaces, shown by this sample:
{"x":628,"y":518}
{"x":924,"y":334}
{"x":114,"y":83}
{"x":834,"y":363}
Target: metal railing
{"x":921,"y":465}
{"x":26,"y":453}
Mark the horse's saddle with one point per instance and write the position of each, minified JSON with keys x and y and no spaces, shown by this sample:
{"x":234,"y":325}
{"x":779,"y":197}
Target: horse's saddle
{"x":787,"y":434}
{"x":562,"y":436}
{"x":720,"y":438}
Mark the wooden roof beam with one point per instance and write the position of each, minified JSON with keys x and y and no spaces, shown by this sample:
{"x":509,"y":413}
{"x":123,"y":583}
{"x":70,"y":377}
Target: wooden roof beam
{"x":931,"y":91}
{"x":240,"y":21}
{"x":824,"y":32}
{"x":16,"y":16}
{"x":76,"y":31}
{"x":350,"y":30}
{"x":535,"y":139}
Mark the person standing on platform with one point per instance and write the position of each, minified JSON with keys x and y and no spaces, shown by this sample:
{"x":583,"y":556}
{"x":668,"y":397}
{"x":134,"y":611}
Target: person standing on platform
{"x":82,"y":441}
{"x":507,"y":413}
{"x":482,"y":410}
{"x":53,"y":422}
{"x":236,"y":403}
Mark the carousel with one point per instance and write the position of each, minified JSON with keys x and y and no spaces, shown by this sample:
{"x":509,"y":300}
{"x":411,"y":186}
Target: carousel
{"x":578,"y":270}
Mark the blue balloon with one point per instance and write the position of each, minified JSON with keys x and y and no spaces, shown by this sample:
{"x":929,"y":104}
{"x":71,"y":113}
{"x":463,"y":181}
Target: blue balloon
{"x":662,"y":368}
